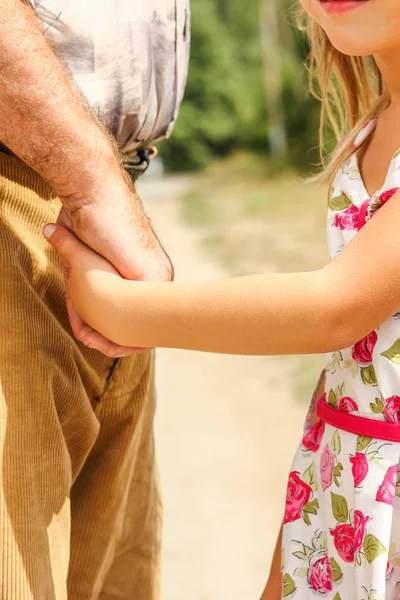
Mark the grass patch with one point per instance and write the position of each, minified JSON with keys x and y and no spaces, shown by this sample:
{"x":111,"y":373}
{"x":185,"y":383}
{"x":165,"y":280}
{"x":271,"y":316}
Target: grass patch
{"x":305,"y":376}
{"x":197,"y":210}
{"x":254,"y":221}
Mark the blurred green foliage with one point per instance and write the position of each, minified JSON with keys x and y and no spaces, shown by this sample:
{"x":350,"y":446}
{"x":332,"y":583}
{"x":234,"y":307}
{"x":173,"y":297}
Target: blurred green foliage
{"x":225,"y":103}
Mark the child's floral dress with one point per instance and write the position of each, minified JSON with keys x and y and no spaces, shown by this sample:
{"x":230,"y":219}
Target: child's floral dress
{"x":341,"y":536}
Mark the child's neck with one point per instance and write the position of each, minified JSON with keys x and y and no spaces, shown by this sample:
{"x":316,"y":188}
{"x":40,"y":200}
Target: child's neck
{"x":389,"y":66}
{"x":376,"y":155}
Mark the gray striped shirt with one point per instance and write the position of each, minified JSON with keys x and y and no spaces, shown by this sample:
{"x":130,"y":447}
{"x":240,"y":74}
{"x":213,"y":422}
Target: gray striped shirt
{"x":129,"y":58}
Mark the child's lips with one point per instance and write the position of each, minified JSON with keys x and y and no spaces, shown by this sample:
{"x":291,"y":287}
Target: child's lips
{"x":341,"y":6}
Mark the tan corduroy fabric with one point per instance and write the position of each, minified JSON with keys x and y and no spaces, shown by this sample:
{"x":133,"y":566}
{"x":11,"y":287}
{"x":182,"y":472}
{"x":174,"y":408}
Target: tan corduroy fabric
{"x":80,"y":512}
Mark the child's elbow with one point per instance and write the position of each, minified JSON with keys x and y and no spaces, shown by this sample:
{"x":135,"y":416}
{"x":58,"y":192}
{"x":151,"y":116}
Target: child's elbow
{"x":345,"y":329}
{"x":346,"y":316}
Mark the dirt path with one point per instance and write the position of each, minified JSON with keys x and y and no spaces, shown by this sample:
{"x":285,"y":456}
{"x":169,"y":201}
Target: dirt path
{"x":227,"y":428}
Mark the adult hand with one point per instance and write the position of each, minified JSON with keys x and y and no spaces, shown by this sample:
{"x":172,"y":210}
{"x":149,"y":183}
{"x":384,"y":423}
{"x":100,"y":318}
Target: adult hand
{"x":111,"y":220}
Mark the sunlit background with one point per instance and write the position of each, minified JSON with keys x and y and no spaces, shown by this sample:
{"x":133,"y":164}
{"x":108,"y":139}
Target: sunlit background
{"x":228,"y":196}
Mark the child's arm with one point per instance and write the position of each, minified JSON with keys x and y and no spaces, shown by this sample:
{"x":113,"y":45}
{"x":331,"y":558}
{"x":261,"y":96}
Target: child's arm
{"x":296,"y":313}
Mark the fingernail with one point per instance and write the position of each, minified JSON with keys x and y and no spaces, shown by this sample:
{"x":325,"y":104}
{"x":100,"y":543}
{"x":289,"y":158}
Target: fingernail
{"x":48,"y":230}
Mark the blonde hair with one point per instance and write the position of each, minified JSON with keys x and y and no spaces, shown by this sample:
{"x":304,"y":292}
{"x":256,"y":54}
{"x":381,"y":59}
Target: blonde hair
{"x":350,"y":89}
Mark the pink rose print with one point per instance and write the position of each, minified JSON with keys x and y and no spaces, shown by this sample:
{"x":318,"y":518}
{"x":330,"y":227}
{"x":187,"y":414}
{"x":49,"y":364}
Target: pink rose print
{"x":347,"y":219}
{"x":347,"y":404}
{"x":348,"y":539}
{"x":327,"y":465}
{"x":392,"y":409}
{"x":298,"y":494}
{"x":371,"y":206}
{"x":344,"y":541}
{"x":387,"y":489}
{"x":360,"y":468}
{"x":320,"y":574}
{"x":362,"y":351}
{"x":362,"y":215}
{"x":360,"y":522}
{"x":312,"y":440}
{"x":383,"y":198}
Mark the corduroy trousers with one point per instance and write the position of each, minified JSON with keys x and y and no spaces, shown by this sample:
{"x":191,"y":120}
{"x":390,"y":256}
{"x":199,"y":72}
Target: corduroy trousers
{"x":80,"y":509}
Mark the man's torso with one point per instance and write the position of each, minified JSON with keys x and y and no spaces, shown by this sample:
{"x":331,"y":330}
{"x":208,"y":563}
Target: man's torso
{"x":129,"y":58}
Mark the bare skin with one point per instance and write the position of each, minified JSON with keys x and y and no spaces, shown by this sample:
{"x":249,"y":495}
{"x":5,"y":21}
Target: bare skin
{"x":294,"y":313}
{"x":47,"y":123}
{"x":273,"y":589}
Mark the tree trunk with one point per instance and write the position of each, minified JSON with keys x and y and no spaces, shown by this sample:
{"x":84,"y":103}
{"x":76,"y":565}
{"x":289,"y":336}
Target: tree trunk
{"x":272,"y":55}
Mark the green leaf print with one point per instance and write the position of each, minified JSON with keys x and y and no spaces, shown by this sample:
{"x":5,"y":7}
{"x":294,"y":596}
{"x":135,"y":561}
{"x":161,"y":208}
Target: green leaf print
{"x":301,"y":572}
{"x":336,"y":446}
{"x":337,"y":472}
{"x":304,"y":553}
{"x":348,"y":364}
{"x":374,"y":595}
{"x":289,"y":585}
{"x":320,"y":540}
{"x":362,"y":442}
{"x":354,"y":369}
{"x":377,"y":406}
{"x":310,"y":477}
{"x":353,"y":172}
{"x":311,"y":507}
{"x":340,"y":203}
{"x":372,"y":456}
{"x":308,"y":550}
{"x":372,"y":548}
{"x":374,"y":205}
{"x":337,"y":597}
{"x":306,"y":518}
{"x":300,"y":555}
{"x":368,"y":375}
{"x":393,"y":353}
{"x":332,"y":364}
{"x":340,"y":509}
{"x":336,"y":570}
{"x":332,"y":399}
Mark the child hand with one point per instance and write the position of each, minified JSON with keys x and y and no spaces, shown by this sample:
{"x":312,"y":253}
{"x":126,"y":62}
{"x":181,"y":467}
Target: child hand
{"x":90,"y":281}
{"x":74,"y":253}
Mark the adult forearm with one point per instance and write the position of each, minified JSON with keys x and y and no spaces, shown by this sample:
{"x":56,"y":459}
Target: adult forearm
{"x":43,"y":118}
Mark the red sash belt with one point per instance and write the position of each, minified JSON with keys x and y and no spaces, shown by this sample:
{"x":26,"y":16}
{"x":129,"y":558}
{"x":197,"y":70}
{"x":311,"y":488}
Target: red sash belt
{"x":358,"y":425}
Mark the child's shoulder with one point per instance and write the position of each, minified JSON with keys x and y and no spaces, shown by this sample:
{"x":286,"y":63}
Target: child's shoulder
{"x":348,"y":171}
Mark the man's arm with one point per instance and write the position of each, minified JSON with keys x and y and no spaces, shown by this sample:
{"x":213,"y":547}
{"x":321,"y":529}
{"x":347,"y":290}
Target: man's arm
{"x":45,"y":121}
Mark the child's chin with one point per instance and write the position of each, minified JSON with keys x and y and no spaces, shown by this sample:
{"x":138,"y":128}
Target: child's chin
{"x":357,"y":44}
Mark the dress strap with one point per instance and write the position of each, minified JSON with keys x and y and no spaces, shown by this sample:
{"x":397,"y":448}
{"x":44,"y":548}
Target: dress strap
{"x":364,"y":133}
